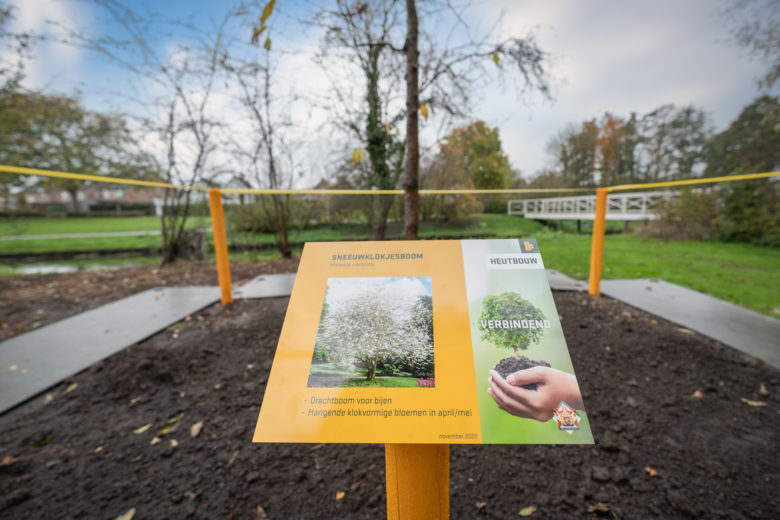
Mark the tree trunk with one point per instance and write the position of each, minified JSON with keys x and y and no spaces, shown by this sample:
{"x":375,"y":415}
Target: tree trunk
{"x":371,"y":370}
{"x":411,"y":183}
{"x":385,"y":202}
{"x":517,"y":352}
{"x":74,"y":197}
{"x":376,"y":138}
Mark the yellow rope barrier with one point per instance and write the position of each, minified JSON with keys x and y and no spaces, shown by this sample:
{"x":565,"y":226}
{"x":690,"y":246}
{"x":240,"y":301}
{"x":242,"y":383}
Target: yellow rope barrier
{"x":623,"y":187}
{"x":686,"y":182}
{"x":97,"y":178}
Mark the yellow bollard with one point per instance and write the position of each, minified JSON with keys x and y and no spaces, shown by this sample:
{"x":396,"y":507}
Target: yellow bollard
{"x":418,"y":481}
{"x":220,"y":244}
{"x":597,"y":244}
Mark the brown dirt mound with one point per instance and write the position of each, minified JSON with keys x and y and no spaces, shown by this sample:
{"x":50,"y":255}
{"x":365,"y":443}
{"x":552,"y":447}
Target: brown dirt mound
{"x":683,"y":429}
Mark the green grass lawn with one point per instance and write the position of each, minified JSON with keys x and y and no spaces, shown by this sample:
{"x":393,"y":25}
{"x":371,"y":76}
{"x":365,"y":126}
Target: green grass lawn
{"x":78,"y":244}
{"x":743,"y":274}
{"x":46,"y":226}
{"x":739,"y":273}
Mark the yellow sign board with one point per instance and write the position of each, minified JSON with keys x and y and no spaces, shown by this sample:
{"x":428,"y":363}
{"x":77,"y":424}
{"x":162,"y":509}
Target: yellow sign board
{"x":454,"y":342}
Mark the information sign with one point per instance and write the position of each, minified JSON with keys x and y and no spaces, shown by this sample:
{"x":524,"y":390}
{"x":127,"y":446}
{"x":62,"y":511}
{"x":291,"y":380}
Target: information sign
{"x":451,"y":342}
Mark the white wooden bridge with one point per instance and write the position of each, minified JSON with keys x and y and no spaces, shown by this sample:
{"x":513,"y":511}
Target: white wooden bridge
{"x":620,"y":206}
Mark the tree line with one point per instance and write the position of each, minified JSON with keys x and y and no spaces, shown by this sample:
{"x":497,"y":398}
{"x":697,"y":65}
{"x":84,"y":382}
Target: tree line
{"x":180,"y":133}
{"x":672,"y":143}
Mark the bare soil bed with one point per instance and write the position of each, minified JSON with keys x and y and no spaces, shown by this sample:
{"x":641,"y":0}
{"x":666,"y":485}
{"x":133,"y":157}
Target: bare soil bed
{"x":682,"y":426}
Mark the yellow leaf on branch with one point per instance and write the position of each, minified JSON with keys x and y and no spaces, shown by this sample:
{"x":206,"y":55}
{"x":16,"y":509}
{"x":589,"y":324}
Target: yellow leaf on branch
{"x":267,"y":10}
{"x":357,"y":157}
{"x":257,"y":30}
{"x":495,"y":58}
{"x":267,"y":44}
{"x":424,"y":110}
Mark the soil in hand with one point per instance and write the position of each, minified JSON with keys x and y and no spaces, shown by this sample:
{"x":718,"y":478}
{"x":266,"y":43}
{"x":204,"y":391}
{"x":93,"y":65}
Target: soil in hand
{"x":511,"y":365}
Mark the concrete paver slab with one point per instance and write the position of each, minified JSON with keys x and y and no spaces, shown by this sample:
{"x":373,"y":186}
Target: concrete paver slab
{"x":745,"y":330}
{"x":267,"y":286}
{"x":32,"y":362}
{"x":561,"y":282}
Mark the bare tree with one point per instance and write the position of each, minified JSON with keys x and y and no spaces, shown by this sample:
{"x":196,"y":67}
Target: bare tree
{"x":755,"y":26}
{"x":181,"y":115}
{"x":411,"y":183}
{"x":370,"y":35}
{"x":263,"y":158}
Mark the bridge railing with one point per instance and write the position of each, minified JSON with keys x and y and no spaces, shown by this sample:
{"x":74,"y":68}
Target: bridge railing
{"x":620,"y":206}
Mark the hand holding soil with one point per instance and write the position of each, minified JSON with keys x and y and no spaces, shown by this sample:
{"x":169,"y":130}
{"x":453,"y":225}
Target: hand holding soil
{"x":552,"y":387}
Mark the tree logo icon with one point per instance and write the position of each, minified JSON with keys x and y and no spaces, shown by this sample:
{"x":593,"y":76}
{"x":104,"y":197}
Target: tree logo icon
{"x":510,"y":321}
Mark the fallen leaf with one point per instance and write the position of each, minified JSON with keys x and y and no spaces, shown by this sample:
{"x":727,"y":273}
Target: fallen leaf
{"x":135,"y":399}
{"x":340,"y":495}
{"x":260,"y":513}
{"x":41,"y":442}
{"x":650,"y":471}
{"x":49,"y":398}
{"x":752,"y":403}
{"x":356,"y":485}
{"x":654,"y":322}
{"x":174,"y":443}
{"x":528,"y":511}
{"x":98,"y":449}
{"x":599,"y":508}
{"x":195,"y":429}
{"x":697,"y":394}
{"x":171,"y":425}
{"x":250,"y":366}
{"x":71,"y":388}
{"x":318,"y":446}
{"x":233,"y":458}
{"x":142,"y":429}
{"x":480,"y":505}
{"x":154,"y":441}
{"x":7,"y":461}
{"x":127,"y":516}
{"x":762,"y":391}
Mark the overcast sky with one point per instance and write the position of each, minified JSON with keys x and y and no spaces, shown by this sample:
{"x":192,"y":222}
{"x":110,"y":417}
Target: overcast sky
{"x":617,"y":56}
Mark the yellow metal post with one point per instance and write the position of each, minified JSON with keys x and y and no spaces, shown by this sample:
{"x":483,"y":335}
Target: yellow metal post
{"x":220,"y":244}
{"x":597,"y":244}
{"x":418,"y":481}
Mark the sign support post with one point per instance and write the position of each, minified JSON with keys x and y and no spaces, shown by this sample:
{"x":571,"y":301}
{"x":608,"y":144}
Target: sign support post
{"x":597,"y":244}
{"x":220,"y":244}
{"x":418,"y":481}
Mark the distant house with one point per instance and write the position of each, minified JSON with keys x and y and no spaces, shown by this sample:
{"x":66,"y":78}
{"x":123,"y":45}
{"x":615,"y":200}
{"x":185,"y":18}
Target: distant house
{"x":93,"y":197}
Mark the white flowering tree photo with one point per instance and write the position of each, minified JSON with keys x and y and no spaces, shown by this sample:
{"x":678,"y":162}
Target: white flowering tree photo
{"x":375,"y":332}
